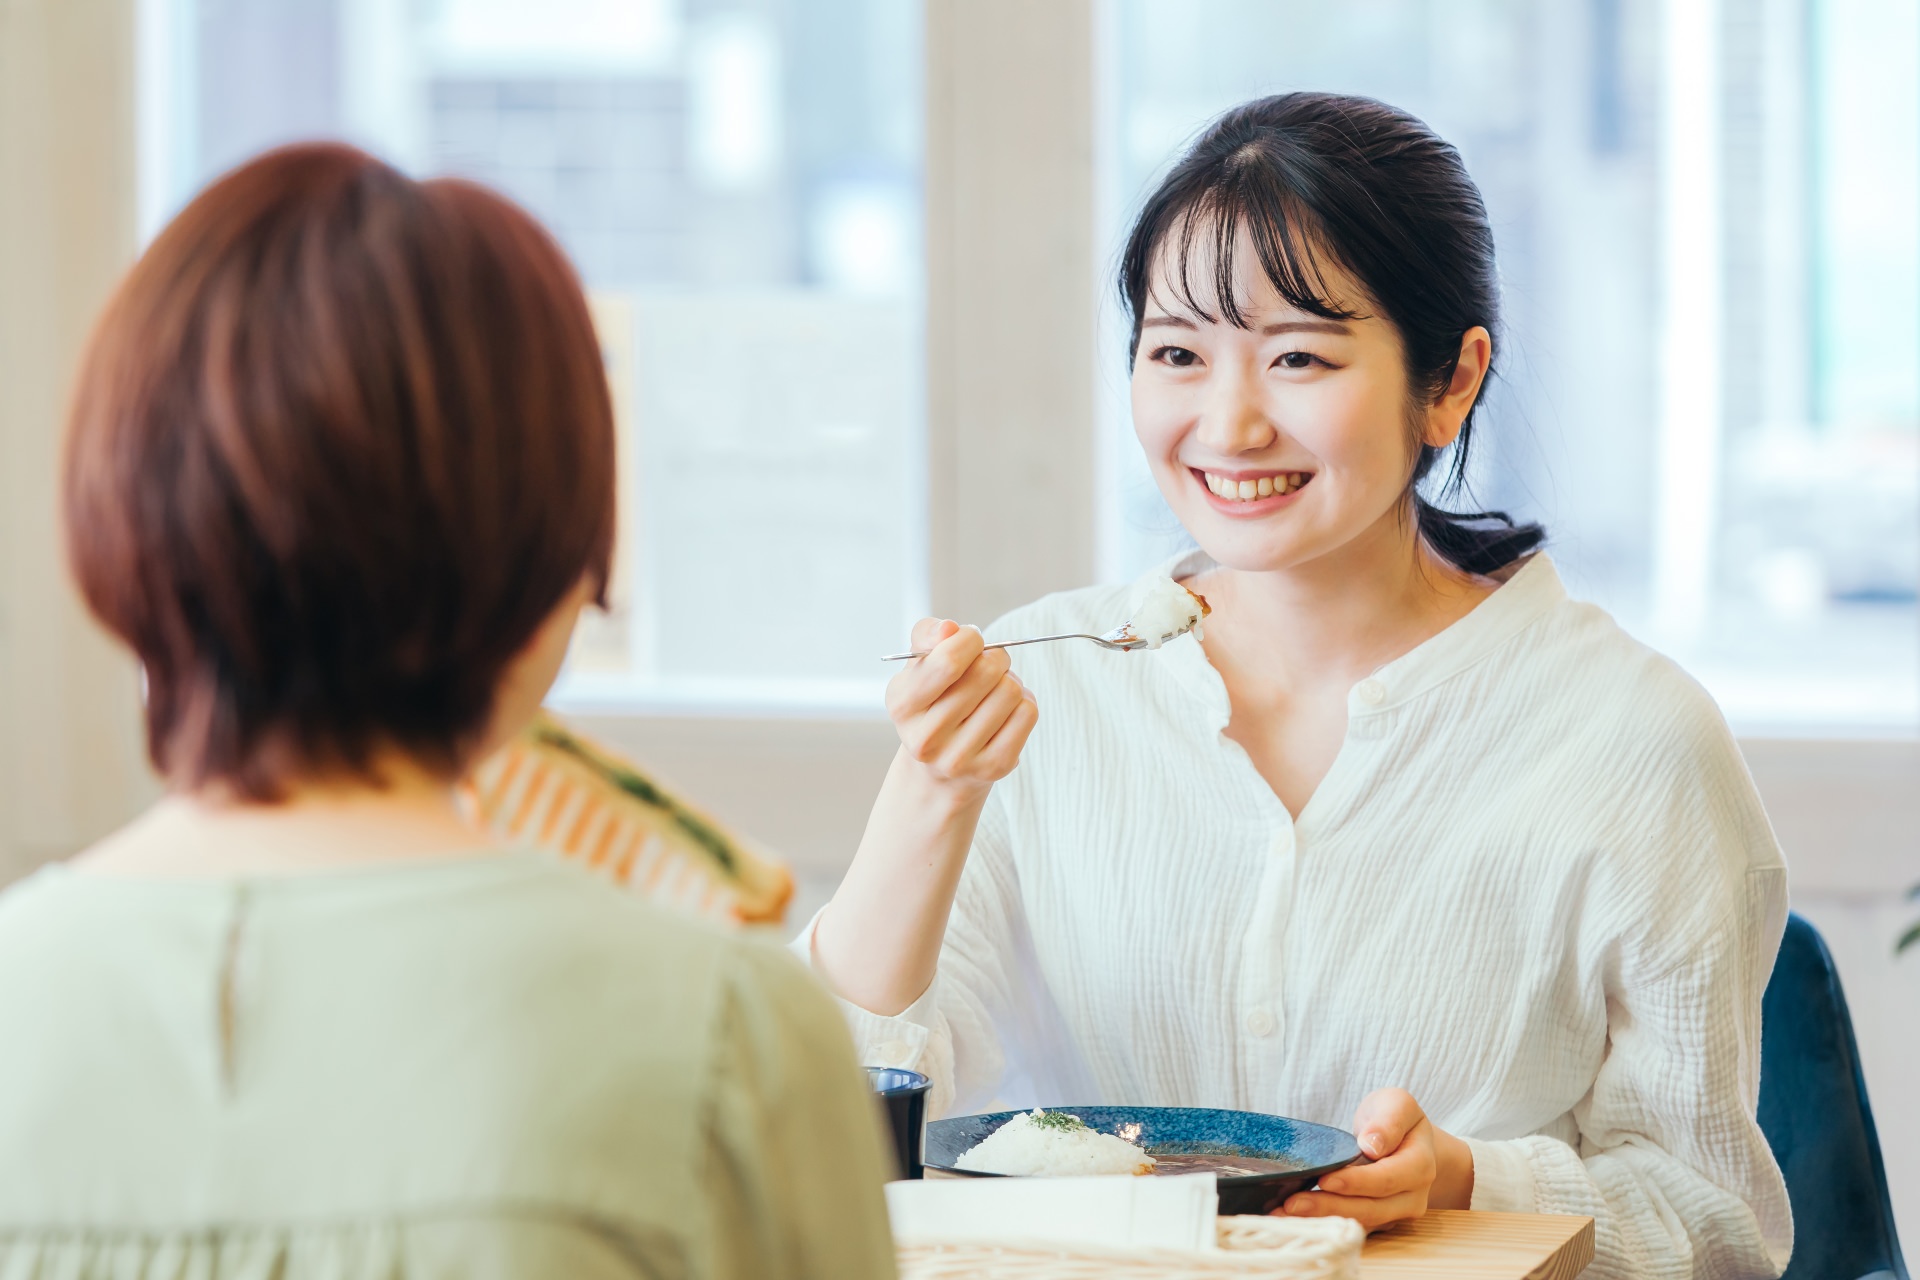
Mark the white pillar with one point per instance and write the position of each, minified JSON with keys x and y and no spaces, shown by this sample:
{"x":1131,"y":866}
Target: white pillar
{"x":72,"y":765}
{"x":382,"y":93}
{"x":164,"y":109}
{"x":1010,"y":302}
{"x":1688,"y":334}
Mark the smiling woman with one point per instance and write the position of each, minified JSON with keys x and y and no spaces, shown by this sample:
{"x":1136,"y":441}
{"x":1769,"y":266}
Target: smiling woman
{"x":1408,"y":840}
{"x":1326,"y":194}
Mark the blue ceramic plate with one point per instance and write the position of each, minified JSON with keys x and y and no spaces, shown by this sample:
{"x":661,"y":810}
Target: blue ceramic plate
{"x":1259,"y":1160}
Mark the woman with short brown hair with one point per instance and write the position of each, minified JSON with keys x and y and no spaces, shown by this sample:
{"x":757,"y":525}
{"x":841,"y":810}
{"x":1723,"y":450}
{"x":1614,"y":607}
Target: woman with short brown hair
{"x":340,"y":473}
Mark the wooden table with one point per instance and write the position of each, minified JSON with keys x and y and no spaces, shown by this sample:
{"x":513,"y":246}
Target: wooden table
{"x":1459,"y":1244}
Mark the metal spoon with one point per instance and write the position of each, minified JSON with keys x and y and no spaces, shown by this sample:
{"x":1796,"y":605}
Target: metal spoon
{"x":1120,"y":638}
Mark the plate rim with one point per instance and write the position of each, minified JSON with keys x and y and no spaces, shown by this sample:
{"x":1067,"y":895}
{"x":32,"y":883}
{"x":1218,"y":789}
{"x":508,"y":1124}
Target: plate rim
{"x":1239,"y":1179}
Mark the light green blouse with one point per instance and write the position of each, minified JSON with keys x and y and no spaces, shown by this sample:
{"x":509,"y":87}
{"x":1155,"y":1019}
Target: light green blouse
{"x":493,"y":1066}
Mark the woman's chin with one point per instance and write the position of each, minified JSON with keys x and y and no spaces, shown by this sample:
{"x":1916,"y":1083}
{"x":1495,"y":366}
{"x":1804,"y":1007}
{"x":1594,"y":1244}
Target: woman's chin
{"x":1247,"y":550}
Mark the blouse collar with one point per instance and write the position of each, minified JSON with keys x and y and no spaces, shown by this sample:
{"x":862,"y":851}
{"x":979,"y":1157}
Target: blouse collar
{"x":1530,"y":590}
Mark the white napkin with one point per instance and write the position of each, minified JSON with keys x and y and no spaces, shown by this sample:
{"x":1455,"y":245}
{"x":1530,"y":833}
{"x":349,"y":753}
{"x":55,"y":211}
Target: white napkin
{"x":1113,"y":1212}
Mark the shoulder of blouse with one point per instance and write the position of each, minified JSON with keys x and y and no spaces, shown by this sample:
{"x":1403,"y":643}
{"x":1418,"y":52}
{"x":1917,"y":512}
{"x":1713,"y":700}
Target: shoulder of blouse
{"x":1656,"y":711}
{"x":1690,"y":852}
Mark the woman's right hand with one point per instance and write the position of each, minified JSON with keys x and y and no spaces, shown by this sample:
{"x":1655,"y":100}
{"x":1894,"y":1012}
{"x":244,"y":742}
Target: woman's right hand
{"x":962,"y":715}
{"x":963,"y":718}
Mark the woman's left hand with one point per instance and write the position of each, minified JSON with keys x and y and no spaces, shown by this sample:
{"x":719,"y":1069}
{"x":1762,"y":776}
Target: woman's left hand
{"x":1416,"y":1167}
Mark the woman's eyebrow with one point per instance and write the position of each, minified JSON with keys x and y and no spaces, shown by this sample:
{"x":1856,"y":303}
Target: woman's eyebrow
{"x":1306,"y":326}
{"x":1266,"y":330}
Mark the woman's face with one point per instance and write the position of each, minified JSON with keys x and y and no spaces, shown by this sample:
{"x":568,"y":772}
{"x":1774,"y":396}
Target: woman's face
{"x":1277,"y":443}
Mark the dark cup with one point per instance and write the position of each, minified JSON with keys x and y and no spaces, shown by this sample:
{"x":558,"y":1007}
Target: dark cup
{"x":904,"y":1094}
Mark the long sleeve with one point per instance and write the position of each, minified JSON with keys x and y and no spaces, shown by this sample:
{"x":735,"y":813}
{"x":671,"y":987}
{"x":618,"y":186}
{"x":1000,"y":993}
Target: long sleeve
{"x":1671,"y":1162}
{"x":787,"y":1095}
{"x":953,"y":1032}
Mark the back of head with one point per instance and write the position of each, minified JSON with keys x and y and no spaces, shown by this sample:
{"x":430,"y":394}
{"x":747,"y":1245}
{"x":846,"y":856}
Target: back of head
{"x":342,"y":441}
{"x":1319,"y":180}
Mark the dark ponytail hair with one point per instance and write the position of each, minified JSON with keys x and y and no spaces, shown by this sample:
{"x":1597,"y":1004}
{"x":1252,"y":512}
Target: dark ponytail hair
{"x":1376,"y":191}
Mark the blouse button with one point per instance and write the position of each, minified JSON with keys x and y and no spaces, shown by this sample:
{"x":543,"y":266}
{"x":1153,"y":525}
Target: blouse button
{"x":1260,"y":1023}
{"x":1371,"y":692}
{"x":894,"y":1053}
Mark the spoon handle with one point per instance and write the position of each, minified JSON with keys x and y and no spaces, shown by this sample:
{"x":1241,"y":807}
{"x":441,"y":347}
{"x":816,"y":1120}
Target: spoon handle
{"x":1002,"y":644}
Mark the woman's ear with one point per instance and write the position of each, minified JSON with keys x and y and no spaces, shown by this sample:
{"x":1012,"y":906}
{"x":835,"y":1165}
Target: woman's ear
{"x":1446,"y":415}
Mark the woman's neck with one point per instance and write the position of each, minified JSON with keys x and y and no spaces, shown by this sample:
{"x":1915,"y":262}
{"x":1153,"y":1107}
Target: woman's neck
{"x":1338,"y":617}
{"x":319,"y":825}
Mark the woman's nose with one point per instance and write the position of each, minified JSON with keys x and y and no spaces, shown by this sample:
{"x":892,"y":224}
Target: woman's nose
{"x":1233,"y":419}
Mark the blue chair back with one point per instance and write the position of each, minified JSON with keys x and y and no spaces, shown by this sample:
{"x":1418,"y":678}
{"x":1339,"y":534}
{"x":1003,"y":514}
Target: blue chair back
{"x":1813,"y":1109}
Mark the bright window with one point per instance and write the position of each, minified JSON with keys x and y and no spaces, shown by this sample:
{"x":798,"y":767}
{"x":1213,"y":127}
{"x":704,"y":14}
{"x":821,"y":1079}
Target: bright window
{"x":741,"y":192}
{"x":1709,"y":234}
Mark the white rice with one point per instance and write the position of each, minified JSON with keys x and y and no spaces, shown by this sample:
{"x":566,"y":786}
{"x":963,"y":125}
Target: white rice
{"x":1039,"y":1144}
{"x":1165,"y":609}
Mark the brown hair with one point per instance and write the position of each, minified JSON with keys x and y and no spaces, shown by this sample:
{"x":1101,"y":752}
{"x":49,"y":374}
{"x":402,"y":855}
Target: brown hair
{"x":342,"y":442}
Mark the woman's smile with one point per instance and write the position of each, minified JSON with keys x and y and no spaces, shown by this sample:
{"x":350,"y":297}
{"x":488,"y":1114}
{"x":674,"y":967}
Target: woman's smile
{"x":1249,"y":494}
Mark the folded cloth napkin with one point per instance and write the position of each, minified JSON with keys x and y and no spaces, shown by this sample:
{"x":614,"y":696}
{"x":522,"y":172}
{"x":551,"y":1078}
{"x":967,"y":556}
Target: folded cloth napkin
{"x":1154,"y":1213}
{"x":554,"y":788}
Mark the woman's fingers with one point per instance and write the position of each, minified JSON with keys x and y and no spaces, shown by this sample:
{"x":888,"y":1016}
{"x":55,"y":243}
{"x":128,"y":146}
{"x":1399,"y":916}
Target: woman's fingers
{"x":1383,"y":1120}
{"x":1409,"y":1168}
{"x":951,"y":651}
{"x":970,"y":738}
{"x":1001,"y":754}
{"x":1398,"y":1182}
{"x":927,"y":727}
{"x":940,"y":722}
{"x":1368,"y":1212}
{"x":929,"y":632}
{"x":949,"y":662}
{"x":959,"y":709}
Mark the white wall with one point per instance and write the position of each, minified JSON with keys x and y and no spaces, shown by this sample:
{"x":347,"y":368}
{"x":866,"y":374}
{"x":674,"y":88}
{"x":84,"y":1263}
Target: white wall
{"x":1884,"y":996}
{"x":71,"y":765}
{"x":1848,"y":816}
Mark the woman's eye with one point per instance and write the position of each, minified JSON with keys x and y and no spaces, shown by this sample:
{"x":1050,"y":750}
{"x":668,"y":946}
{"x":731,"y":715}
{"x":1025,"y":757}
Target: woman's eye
{"x":1298,"y":360}
{"x":1178,"y":357}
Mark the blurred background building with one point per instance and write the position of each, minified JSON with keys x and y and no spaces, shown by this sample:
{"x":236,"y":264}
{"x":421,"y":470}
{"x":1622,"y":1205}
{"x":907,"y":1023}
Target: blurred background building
{"x":1710,"y":391}
{"x":851,"y":265}
{"x":740,"y":187}
{"x":1708,"y":223}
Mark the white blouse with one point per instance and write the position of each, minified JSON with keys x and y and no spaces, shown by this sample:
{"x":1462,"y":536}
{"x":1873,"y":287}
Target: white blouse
{"x":1536,"y":889}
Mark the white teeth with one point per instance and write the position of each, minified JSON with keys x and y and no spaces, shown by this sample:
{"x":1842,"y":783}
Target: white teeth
{"x":1253,"y":490}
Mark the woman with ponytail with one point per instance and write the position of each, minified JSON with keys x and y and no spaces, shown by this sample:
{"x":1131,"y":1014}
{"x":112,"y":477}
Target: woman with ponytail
{"x":1408,"y":840}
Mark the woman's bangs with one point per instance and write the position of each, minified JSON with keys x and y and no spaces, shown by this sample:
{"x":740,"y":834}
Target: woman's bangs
{"x":1281,"y":232}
